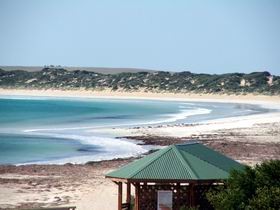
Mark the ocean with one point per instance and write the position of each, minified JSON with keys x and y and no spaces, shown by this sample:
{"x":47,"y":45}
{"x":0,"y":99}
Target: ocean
{"x":56,"y":130}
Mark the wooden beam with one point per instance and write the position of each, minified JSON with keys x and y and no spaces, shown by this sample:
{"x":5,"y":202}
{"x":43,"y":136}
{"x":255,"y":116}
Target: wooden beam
{"x":137,"y":191}
{"x":192,"y":202}
{"x":128,"y":192}
{"x":116,"y":179}
{"x":120,"y":196}
{"x":167,"y":181}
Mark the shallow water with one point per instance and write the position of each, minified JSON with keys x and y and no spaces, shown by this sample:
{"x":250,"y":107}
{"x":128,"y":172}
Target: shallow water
{"x":45,"y":129}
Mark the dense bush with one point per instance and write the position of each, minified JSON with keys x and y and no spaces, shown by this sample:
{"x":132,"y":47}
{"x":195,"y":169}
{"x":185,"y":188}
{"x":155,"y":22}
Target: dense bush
{"x":252,"y":189}
{"x":179,"y":82}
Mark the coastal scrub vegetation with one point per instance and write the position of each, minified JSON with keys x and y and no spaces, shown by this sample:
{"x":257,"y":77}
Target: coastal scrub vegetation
{"x":158,"y":81}
{"x":254,"y":188}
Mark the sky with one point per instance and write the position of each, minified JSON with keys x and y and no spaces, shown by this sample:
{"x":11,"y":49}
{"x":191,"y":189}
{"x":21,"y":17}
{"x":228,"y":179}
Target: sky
{"x":202,"y":36}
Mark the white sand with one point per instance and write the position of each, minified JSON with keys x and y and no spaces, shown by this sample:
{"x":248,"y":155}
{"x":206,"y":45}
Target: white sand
{"x":103,"y":197}
{"x":249,"y":98}
{"x":205,"y":127}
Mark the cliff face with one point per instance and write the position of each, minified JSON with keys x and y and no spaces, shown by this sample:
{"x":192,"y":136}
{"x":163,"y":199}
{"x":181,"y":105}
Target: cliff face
{"x":59,"y":78}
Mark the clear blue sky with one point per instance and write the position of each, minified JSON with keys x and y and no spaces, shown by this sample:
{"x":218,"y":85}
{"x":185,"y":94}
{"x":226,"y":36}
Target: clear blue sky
{"x":212,"y":36}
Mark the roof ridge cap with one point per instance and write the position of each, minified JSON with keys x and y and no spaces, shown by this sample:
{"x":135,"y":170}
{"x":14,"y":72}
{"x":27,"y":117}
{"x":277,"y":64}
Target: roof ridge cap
{"x":151,"y":161}
{"x":183,"y":161}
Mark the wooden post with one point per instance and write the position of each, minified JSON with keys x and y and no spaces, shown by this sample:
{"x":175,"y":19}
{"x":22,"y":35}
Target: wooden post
{"x":137,"y":191}
{"x":192,"y":203}
{"x":120,"y":196}
{"x":128,"y":192}
{"x":194,"y":195}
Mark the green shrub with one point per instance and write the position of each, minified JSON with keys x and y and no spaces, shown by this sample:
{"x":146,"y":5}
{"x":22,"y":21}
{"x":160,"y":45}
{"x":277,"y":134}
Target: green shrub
{"x":252,"y":188}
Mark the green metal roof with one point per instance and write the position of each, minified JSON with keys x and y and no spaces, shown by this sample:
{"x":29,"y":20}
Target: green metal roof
{"x":190,"y":161}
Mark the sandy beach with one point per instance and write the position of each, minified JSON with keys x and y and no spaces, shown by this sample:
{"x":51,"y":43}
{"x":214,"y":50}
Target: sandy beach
{"x":248,"y":139}
{"x":108,"y":93}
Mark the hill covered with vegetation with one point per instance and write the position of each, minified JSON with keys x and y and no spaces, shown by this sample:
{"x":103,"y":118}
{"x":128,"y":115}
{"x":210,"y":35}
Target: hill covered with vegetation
{"x":158,"y":81}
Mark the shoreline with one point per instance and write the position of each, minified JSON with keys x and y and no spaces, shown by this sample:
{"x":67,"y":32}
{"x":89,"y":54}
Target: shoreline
{"x":247,"y":139}
{"x":163,"y":130}
{"x":169,"y":129}
{"x":108,"y":94}
{"x":84,"y":185}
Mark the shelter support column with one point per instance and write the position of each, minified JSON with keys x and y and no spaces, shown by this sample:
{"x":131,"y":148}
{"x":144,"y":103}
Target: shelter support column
{"x":192,"y":195}
{"x":119,"y":195}
{"x":137,"y":191}
{"x":128,"y":192}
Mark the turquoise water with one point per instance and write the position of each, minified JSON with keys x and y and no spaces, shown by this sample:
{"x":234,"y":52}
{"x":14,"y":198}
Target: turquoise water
{"x":56,"y":130}
{"x":24,"y":148}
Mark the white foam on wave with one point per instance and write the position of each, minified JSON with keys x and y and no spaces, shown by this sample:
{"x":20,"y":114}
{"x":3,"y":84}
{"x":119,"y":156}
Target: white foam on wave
{"x":20,"y":97}
{"x":183,"y":114}
{"x":110,"y":148}
{"x":80,"y":159}
{"x":166,"y":118}
{"x":60,"y":129}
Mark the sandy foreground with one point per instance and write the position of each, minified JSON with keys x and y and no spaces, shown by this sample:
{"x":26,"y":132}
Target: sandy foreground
{"x":248,"y":139}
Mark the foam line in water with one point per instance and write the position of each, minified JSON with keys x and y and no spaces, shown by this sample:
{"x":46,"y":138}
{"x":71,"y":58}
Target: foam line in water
{"x":183,"y":114}
{"x":167,"y":118}
{"x":19,"y":97}
{"x":111,"y":148}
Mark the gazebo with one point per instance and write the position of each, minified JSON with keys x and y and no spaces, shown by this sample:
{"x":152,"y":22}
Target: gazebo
{"x":174,"y":177}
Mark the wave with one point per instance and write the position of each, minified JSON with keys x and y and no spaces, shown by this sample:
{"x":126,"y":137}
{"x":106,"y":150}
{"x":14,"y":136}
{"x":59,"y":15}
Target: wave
{"x":183,"y":114}
{"x":60,"y":129}
{"x":167,"y":118}
{"x":19,"y":97}
{"x":109,"y":148}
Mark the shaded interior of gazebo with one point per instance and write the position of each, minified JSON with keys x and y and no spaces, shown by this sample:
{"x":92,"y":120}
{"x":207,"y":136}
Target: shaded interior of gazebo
{"x":171,"y":178}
